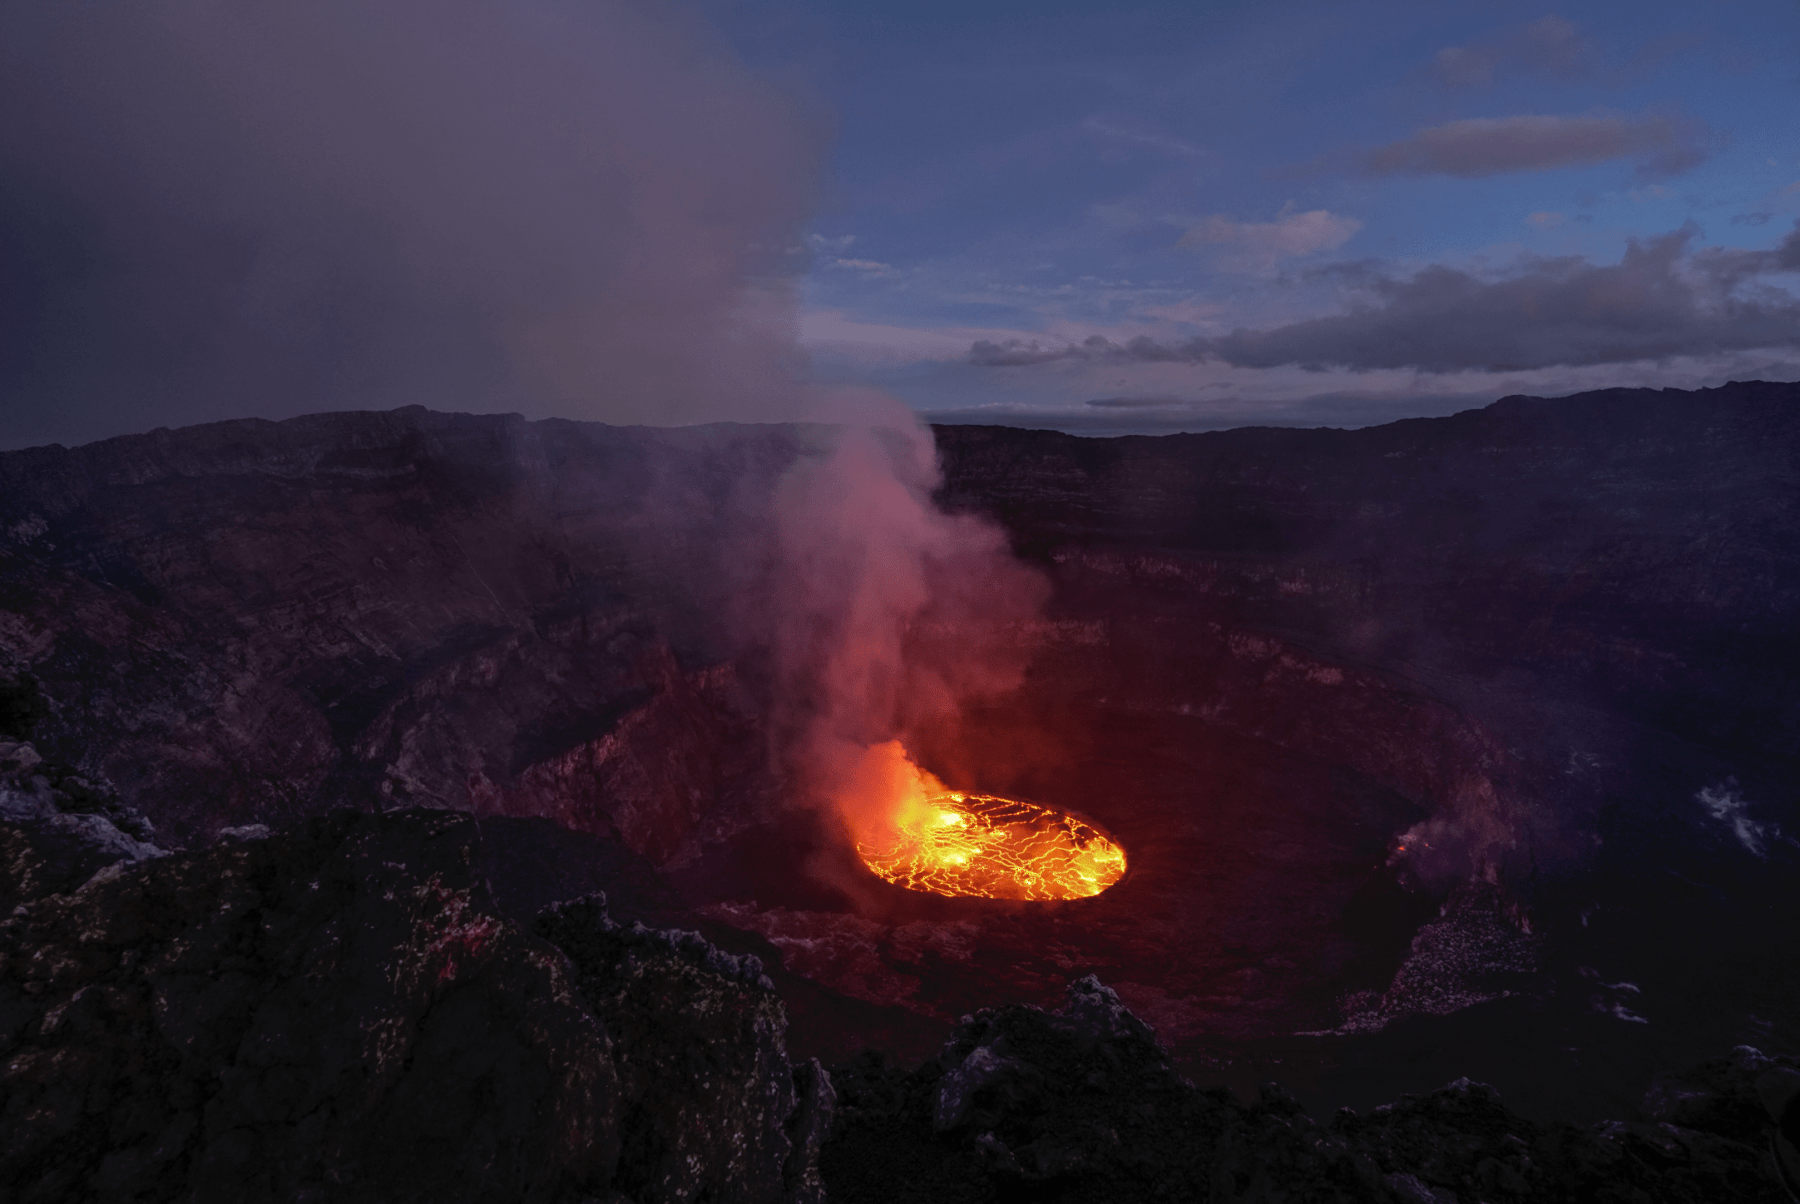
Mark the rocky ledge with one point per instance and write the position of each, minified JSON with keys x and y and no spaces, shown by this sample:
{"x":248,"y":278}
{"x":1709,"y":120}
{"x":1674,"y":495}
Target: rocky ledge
{"x":338,"y":1012}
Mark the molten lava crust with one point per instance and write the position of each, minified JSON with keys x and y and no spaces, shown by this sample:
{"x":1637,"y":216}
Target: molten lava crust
{"x":996,"y":848}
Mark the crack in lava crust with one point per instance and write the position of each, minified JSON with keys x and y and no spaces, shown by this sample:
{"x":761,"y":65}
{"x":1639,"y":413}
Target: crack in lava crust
{"x":996,"y":848}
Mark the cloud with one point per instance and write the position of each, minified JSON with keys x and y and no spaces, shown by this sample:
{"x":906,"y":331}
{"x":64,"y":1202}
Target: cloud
{"x":1548,"y":46}
{"x":217,"y":207}
{"x":1547,"y":312}
{"x":1490,"y":146}
{"x":1119,"y":138}
{"x":1786,"y":255}
{"x":868,"y":267}
{"x":1661,"y":300}
{"x":837,"y":341}
{"x":1015,"y":353}
{"x":1545,"y":220}
{"x":1259,"y":244}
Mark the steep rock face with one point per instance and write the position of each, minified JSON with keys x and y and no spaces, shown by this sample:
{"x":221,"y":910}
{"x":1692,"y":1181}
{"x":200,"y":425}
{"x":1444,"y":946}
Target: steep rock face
{"x":1082,"y":1104}
{"x":240,"y":622}
{"x":336,"y":1012}
{"x":683,"y":769}
{"x":1631,"y":548}
{"x":1258,"y":687}
{"x":502,"y":616}
{"x":706,"y":1068}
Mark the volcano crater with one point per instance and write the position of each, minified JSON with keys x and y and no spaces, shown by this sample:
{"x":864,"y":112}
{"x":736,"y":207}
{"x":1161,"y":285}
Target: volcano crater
{"x":1454,"y":746}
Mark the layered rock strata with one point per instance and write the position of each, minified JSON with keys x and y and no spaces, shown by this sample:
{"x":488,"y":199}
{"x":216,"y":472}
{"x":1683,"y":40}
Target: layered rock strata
{"x":248,"y":621}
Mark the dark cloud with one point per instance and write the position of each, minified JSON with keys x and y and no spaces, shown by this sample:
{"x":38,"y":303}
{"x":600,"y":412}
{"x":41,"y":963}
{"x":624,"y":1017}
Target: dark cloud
{"x":1786,"y":256}
{"x":1014,"y":353}
{"x":1488,"y":146}
{"x":1662,"y":299}
{"x":1657,"y":302}
{"x":219,"y":207}
{"x":1548,"y":46}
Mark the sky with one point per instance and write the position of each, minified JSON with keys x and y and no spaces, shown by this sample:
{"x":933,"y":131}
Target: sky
{"x":1175,"y":216}
{"x":1130,"y":217}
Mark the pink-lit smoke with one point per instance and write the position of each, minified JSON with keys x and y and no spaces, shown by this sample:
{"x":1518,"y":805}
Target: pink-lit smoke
{"x":891,"y":613}
{"x":589,"y":210}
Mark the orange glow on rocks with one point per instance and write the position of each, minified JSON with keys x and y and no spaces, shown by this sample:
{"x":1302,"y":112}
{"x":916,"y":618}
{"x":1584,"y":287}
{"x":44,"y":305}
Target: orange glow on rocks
{"x":951,"y":842}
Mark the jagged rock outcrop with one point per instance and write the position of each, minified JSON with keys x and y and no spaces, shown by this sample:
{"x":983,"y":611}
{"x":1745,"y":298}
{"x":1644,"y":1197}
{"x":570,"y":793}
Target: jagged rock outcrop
{"x":1082,"y":1104}
{"x":704,"y":1067}
{"x":335,"y":1012}
{"x":58,"y":829}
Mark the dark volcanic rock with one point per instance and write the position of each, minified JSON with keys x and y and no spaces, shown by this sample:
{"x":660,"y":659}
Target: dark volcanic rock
{"x":531,"y":862}
{"x":251,"y":621}
{"x":58,"y":829}
{"x":1389,"y":720}
{"x":1629,"y":551}
{"x":1081,"y":1104}
{"x":336,"y":1012}
{"x":708,"y":1097}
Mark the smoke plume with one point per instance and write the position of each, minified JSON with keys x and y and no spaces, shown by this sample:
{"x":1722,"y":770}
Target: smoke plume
{"x":216,"y":209}
{"x":211,"y":209}
{"x":888,"y":614}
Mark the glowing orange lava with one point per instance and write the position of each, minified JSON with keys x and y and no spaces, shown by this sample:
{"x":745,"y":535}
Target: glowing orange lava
{"x":912,"y":830}
{"x":998,"y":848}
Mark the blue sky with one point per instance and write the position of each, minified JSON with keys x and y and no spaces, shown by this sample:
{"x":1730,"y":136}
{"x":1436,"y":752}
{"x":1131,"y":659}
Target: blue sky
{"x":1030,"y":176}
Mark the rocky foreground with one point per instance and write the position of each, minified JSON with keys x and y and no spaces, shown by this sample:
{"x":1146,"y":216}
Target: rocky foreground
{"x":340,"y":1011}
